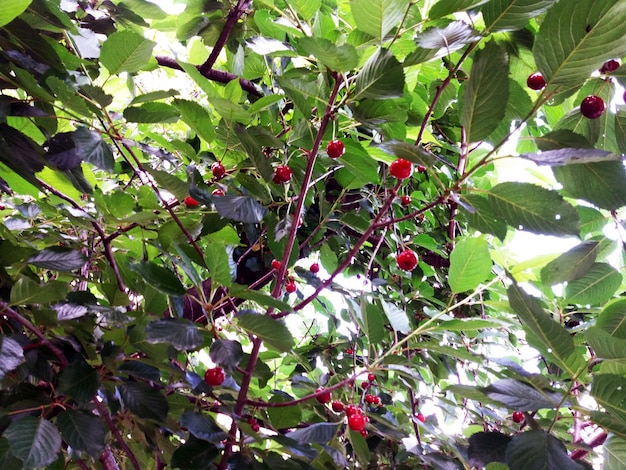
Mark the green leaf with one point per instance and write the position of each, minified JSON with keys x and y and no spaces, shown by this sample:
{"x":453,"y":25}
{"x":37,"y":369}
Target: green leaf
{"x":610,"y":393}
{"x":612,"y":319}
{"x":151,"y":113}
{"x":446,"y":7}
{"x":82,"y":431}
{"x":307,"y":8}
{"x":533,"y":450}
{"x":483,"y":218}
{"x":548,"y":336}
{"x":284,"y":416}
{"x":197,"y":118}
{"x":601,"y":183}
{"x":239,"y":208}
{"x":512,"y":15}
{"x":595,"y":287}
{"x":145,"y":9}
{"x":444,"y":41}
{"x":530,"y":207}
{"x":607,"y":421}
{"x":80,"y":381}
{"x":518,"y":395}
{"x":35,"y":441}
{"x":587,"y":32}
{"x":382,"y":76}
{"x":91,"y":148}
{"x":11,"y":355}
{"x":620,"y":128}
{"x":58,"y":259}
{"x":373,"y":319}
{"x":226,"y":353}
{"x":26,"y":291}
{"x":398,"y":318}
{"x":572,"y":264}
{"x":249,"y":139}
{"x":319,"y":433}
{"x":125,"y":51}
{"x":11,"y":9}
{"x":180,"y":333}
{"x":202,"y":426}
{"x":604,"y":345}
{"x":161,"y":279}
{"x":614,"y":452}
{"x":217,"y":260}
{"x":410,"y":152}
{"x":260,"y":298}
{"x":176,"y":186}
{"x":194,"y":454}
{"x":559,"y":139}
{"x":470,"y":264}
{"x":337,"y":58}
{"x":359,"y":444}
{"x":144,"y":401}
{"x":484,"y":93}
{"x":273,"y":332}
{"x":487,"y":447}
{"x":378,"y":17}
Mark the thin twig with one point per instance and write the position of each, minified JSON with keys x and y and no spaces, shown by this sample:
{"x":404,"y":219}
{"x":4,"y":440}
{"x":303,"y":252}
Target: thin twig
{"x":102,"y":411}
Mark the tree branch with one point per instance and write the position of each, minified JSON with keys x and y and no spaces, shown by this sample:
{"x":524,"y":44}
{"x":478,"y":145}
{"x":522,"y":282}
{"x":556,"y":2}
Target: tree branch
{"x":102,"y":411}
{"x":215,"y":75}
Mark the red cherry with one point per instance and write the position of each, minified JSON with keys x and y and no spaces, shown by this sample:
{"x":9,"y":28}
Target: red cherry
{"x":282,"y":174}
{"x":406,"y":201}
{"x":609,"y":66}
{"x":315,"y":268}
{"x":356,"y":422}
{"x":536,"y":81}
{"x":421,"y":168}
{"x":349,"y":351}
{"x":275,"y":264}
{"x":290,"y":287}
{"x":420,"y":417}
{"x":592,"y":107}
{"x":352,"y":410}
{"x":371,"y":377}
{"x":335,"y":148}
{"x":364,"y":385}
{"x":370,"y":399}
{"x":324,"y":398}
{"x":214,"y":376}
{"x":363,"y":432}
{"x":218,"y":170}
{"x":377,"y":401}
{"x":337,"y":406}
{"x":401,"y":168}
{"x":191,"y":202}
{"x":517,"y":417}
{"x":407,"y":260}
{"x":218,"y":192}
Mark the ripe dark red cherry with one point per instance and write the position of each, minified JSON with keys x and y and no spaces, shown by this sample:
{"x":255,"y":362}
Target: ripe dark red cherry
{"x":536,"y":81}
{"x":290,"y":287}
{"x":401,"y":168}
{"x":275,"y":264}
{"x":214,"y":376}
{"x":282,"y":174}
{"x":421,"y":168}
{"x":517,"y":417}
{"x":364,"y":385}
{"x":407,"y":260}
{"x":191,"y":202}
{"x":218,"y":170}
{"x":420,"y":417}
{"x":371,"y":377}
{"x":352,"y":410}
{"x":371,"y":399}
{"x":324,"y":398}
{"x":406,"y":201}
{"x":335,"y":148}
{"x":609,"y":66}
{"x":337,"y":406}
{"x":592,"y":107}
{"x":349,"y":351}
{"x":218,"y":192}
{"x":315,"y":268}
{"x":357,"y":422}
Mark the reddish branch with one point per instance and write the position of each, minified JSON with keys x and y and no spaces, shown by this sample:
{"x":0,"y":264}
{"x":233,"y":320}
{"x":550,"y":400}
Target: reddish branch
{"x":233,"y":16}
{"x":215,"y":75}
{"x":595,"y":442}
{"x":102,"y":411}
{"x":13,"y":315}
